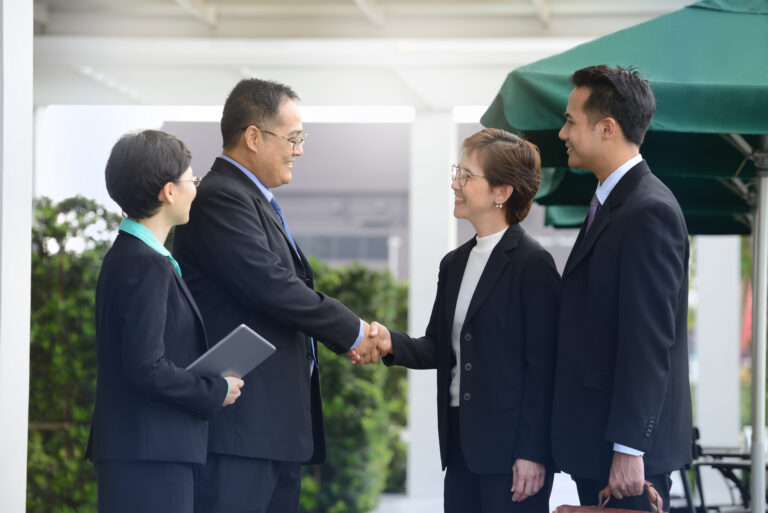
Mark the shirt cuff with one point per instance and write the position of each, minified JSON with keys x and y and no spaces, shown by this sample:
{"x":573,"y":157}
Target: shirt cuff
{"x":227,"y":382}
{"x":627,"y":450}
{"x":359,"y":336}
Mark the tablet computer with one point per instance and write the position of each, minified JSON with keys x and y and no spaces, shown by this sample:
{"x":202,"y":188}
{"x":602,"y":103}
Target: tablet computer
{"x":236,"y":355}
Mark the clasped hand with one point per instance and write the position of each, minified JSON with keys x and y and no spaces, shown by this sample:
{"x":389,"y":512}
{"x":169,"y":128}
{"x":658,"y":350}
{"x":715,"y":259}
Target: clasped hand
{"x":376,"y":342}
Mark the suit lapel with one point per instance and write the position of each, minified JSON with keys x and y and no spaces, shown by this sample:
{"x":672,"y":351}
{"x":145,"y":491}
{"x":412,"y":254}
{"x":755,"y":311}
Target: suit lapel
{"x":585,"y":242}
{"x":454,"y":273}
{"x":497,"y":262}
{"x":262,"y":204}
{"x":192,"y":303}
{"x":266,"y":206}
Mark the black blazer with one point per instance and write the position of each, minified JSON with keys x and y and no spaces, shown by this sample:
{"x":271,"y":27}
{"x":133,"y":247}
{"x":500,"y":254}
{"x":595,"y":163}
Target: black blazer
{"x":622,"y":360}
{"x":241,"y":268}
{"x":507,"y":353}
{"x":147,"y":330}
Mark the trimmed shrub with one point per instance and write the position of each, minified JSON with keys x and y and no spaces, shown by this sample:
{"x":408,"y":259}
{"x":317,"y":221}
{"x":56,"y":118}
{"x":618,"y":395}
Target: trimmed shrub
{"x":364,"y":406}
{"x":69,"y":240}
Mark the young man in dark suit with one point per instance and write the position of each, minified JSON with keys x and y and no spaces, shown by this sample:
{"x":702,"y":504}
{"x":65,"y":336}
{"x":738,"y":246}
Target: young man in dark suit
{"x":243,"y":266}
{"x":622,"y":405}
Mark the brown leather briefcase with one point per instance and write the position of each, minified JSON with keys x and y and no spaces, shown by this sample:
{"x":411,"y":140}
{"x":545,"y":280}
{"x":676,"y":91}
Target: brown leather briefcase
{"x":605,"y":495}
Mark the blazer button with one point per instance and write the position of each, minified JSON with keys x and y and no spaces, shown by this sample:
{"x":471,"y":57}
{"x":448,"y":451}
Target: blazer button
{"x":467,"y":337}
{"x":467,"y":396}
{"x":467,"y":366}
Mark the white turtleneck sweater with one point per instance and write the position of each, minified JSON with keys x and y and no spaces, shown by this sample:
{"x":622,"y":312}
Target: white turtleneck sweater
{"x":478,"y":257}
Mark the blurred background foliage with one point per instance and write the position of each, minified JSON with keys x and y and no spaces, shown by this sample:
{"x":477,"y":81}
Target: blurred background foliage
{"x":365,"y":407}
{"x":69,"y":240}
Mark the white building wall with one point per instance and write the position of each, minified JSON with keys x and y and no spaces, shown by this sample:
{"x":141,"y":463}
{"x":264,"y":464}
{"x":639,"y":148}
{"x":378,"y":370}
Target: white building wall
{"x":432,"y":235}
{"x":15,"y":247}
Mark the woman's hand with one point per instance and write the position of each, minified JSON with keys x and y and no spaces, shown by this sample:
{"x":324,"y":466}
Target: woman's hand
{"x":235,"y":384}
{"x":527,"y":479}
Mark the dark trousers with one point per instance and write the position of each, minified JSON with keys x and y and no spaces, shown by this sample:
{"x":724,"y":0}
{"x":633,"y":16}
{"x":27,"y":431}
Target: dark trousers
{"x":589,"y":488}
{"x":146,"y":486}
{"x":234,"y":484}
{"x":467,"y":492}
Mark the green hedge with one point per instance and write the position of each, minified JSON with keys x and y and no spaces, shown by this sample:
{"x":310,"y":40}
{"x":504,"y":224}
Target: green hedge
{"x":365,"y":407}
{"x":68,"y":242}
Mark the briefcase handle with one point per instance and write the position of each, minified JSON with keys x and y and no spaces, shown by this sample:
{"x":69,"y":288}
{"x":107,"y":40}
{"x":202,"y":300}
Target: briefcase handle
{"x":653,"y":497}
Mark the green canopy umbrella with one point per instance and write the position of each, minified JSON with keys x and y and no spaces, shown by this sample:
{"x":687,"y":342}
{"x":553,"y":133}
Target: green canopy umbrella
{"x":708,"y":67}
{"x":708,"y":141}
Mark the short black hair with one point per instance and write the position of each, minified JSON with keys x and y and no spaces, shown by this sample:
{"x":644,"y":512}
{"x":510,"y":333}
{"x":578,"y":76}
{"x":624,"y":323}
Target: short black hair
{"x":252,"y":102}
{"x":620,"y":93}
{"x":140,"y":164}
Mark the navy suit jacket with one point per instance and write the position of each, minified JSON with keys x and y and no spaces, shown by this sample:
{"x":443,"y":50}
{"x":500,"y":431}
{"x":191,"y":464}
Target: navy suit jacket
{"x":507,"y":353}
{"x":241,"y":268}
{"x":622,"y":359}
{"x":147,"y":330}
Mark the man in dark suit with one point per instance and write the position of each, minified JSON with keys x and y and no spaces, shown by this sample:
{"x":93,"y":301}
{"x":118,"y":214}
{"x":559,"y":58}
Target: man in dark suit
{"x":622,"y":405}
{"x":243,"y":266}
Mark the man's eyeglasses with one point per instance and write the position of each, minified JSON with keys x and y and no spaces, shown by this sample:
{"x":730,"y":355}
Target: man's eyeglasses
{"x":195,"y":180}
{"x":463,"y":174}
{"x":297,"y":139}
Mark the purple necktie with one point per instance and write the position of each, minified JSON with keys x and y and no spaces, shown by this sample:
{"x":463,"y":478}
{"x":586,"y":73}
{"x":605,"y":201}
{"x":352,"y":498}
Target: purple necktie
{"x":594,"y":206}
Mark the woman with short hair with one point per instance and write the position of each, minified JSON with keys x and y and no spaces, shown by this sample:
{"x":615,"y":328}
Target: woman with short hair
{"x":492,"y":337}
{"x":149,"y":423}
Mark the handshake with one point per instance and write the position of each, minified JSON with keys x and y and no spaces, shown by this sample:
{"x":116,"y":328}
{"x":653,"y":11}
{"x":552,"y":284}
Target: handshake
{"x":376,"y":342}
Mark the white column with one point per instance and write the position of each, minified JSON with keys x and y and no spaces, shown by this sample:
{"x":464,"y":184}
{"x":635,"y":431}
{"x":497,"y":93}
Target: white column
{"x":717,"y":338}
{"x":15,"y":247}
{"x":432,"y":235}
{"x":393,"y":256}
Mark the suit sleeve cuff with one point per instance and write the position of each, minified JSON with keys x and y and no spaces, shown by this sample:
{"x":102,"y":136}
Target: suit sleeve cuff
{"x":359,"y":336}
{"x":627,"y":450}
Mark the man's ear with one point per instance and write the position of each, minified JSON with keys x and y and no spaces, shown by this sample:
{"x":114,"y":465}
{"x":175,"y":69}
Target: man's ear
{"x":251,"y":138}
{"x":608,"y":127}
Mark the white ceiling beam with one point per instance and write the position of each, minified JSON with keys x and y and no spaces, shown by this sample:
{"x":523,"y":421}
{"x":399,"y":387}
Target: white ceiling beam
{"x":200,"y":10}
{"x":372,"y":11}
{"x":108,"y":82}
{"x":104,"y":52}
{"x":465,"y":9}
{"x":542,"y":11}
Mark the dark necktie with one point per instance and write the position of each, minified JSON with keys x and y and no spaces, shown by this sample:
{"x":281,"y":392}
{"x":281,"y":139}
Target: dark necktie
{"x":279,"y":211}
{"x":594,"y":206}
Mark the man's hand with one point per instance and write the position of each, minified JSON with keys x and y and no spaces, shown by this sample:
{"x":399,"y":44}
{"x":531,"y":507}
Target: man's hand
{"x":527,"y":479}
{"x":235,"y":384}
{"x":365,"y":352}
{"x":383,"y":338}
{"x":627,"y":475}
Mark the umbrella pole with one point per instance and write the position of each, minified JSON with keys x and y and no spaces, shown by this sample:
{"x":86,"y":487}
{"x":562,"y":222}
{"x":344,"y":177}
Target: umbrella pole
{"x":760,"y":307}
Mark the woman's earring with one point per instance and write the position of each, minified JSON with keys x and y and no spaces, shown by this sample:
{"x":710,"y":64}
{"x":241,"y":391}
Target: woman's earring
{"x":499,"y":205}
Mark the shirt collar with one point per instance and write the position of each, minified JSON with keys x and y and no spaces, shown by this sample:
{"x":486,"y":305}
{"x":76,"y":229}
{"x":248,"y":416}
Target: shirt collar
{"x":605,"y":188}
{"x":146,"y":236}
{"x":266,"y":192}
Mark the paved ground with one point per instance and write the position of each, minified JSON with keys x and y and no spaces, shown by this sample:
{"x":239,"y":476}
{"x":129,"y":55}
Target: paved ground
{"x":563,"y":492}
